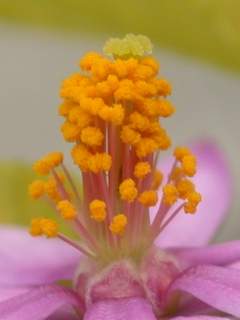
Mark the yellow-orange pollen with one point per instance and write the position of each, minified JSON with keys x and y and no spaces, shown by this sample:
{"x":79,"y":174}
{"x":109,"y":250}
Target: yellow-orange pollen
{"x":98,"y":210}
{"x":179,"y":186}
{"x":51,"y":189}
{"x":141,"y":169}
{"x":118,"y":224}
{"x":66,"y":209}
{"x":170,"y":194}
{"x":43,"y":226}
{"x":113,"y":113}
{"x":148,"y":198}
{"x":128,"y":190}
{"x":36,"y":189}
{"x":47,"y":163}
{"x":157,"y":179}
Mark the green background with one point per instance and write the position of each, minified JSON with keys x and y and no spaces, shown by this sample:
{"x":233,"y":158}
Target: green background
{"x":207,"y":29}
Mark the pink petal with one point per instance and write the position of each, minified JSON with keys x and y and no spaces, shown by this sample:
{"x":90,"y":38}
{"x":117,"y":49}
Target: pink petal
{"x":217,"y":286}
{"x":7,"y":293}
{"x":200,"y":318}
{"x":64,"y":314}
{"x":25,"y":260}
{"x":192,"y":306}
{"x":38,"y":303}
{"x":235,"y":265}
{"x":120,"y":309}
{"x":214,"y":183}
{"x":218,"y":254}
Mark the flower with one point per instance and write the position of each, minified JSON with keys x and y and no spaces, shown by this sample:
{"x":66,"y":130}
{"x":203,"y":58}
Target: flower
{"x":142,"y":231}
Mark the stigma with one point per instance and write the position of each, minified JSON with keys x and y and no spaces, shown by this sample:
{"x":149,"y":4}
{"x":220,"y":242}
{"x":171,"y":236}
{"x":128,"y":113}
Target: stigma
{"x":113,"y":112}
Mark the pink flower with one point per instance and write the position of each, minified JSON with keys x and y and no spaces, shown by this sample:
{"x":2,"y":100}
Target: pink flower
{"x":141,"y":254}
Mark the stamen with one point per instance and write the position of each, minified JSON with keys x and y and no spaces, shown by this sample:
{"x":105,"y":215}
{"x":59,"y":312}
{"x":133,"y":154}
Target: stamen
{"x":141,"y":169}
{"x":170,"y":194}
{"x":99,"y":162}
{"x":41,"y":167}
{"x":163,"y":87}
{"x":84,"y":233}
{"x":189,"y":165}
{"x":130,"y":136}
{"x":49,"y":228}
{"x":185,"y":187}
{"x":128,"y":190}
{"x":70,"y":180}
{"x":65,"y":108}
{"x":36,"y":228}
{"x":51,"y":189}
{"x":51,"y":160}
{"x":89,"y":60}
{"x":148,"y":198}
{"x":98,"y":210}
{"x":92,"y":136}
{"x":81,"y":155}
{"x":181,"y":152}
{"x":176,"y":174}
{"x":118,"y":224}
{"x":150,"y":62}
{"x":36,"y":189}
{"x":75,"y":245}
{"x":193,"y":199}
{"x":55,"y":158}
{"x":71,"y":132}
{"x":157,"y":180}
{"x":43,"y":226}
{"x":67,"y":210}
{"x":113,"y":114}
{"x":138,"y":121}
{"x":172,"y":216}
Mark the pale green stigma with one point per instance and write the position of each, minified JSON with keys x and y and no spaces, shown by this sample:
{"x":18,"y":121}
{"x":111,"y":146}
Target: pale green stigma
{"x":130,"y":46}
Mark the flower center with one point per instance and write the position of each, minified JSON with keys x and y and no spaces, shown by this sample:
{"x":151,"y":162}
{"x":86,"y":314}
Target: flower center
{"x":148,"y":279}
{"x":113,"y":114}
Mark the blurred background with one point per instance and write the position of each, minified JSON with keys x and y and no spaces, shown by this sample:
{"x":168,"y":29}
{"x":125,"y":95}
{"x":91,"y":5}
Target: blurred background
{"x":196,"y":41}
